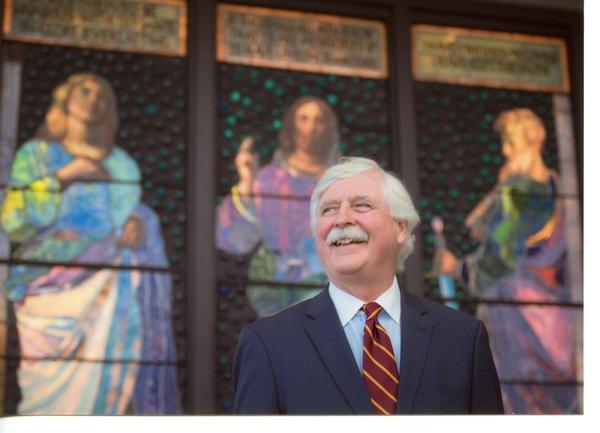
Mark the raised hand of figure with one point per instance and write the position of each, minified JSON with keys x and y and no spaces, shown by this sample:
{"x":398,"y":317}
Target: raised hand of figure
{"x":133,"y":233}
{"x":447,"y":262}
{"x":477,"y":231}
{"x":246,"y":163}
{"x":82,"y":169}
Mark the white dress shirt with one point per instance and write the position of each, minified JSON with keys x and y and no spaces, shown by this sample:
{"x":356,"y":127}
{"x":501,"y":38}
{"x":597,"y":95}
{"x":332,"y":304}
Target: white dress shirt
{"x":353,"y":320}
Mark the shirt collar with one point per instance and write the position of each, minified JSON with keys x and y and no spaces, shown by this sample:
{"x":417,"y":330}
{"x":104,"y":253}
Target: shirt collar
{"x":348,"y":305}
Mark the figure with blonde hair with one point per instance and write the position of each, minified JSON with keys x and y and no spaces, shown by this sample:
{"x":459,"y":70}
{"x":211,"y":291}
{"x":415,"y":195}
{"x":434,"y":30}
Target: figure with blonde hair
{"x":267,"y":214}
{"x":520,"y":225}
{"x":74,"y":198}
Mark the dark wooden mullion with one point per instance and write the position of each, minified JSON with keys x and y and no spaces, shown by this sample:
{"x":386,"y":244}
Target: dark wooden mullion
{"x":575,"y":58}
{"x":202,"y":139}
{"x":404,"y":135}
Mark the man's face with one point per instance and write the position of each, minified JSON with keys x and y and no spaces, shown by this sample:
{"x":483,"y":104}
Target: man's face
{"x":87,"y":102}
{"x":310,"y":126}
{"x":357,"y":203}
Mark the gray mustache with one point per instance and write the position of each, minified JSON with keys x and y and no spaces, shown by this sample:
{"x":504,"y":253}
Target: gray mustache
{"x":352,"y":233}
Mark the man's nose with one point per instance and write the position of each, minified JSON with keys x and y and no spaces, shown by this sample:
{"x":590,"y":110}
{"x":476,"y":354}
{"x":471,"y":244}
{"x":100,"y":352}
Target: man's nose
{"x":344,"y":216}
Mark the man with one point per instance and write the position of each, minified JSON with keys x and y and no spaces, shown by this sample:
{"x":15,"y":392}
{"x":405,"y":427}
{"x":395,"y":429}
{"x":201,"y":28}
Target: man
{"x":363,"y":345}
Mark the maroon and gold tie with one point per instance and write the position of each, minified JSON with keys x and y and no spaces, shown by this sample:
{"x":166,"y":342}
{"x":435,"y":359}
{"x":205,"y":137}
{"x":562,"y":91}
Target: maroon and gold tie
{"x":379,"y":366}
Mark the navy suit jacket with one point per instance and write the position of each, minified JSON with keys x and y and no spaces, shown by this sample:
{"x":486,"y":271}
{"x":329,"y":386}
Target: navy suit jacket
{"x":299,"y":362}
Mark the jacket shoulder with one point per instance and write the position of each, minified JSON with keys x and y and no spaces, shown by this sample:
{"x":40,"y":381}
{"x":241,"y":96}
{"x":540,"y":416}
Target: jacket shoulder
{"x":442,"y":313}
{"x":281,"y":324}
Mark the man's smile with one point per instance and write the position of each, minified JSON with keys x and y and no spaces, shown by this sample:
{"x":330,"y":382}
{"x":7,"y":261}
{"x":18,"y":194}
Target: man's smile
{"x":345,"y":236}
{"x":347,"y":241}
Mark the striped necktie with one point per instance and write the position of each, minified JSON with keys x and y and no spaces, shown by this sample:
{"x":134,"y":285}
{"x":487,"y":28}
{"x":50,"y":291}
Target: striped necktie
{"x":379,"y":366}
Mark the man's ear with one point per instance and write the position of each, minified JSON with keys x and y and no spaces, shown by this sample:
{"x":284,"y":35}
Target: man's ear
{"x":402,"y":231}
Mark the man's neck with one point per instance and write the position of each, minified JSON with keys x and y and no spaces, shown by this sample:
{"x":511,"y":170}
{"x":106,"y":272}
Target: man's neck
{"x":365,"y":290}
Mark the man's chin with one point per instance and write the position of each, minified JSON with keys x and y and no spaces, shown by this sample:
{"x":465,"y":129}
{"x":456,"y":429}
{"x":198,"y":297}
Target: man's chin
{"x":348,"y":267}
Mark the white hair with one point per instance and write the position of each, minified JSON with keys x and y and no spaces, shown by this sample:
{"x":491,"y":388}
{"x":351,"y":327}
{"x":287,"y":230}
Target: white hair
{"x":395,"y":196}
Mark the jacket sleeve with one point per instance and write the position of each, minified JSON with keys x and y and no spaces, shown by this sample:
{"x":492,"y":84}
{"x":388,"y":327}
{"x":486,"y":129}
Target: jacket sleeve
{"x":253,"y":377}
{"x":486,"y":397}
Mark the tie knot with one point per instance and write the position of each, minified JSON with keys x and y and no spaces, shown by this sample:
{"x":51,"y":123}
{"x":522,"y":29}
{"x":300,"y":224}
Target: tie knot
{"x":371,"y":309}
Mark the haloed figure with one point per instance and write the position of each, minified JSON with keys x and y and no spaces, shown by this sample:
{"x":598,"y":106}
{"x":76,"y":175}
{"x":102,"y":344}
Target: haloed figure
{"x":74,"y":197}
{"x":521,"y":229}
{"x":258,"y":213}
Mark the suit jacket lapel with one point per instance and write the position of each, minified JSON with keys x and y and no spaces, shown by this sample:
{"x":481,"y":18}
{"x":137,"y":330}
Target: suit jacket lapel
{"x":416,"y":333}
{"x":323,"y":326}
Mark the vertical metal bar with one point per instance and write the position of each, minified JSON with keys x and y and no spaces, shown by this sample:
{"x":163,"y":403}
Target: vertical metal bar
{"x":201,"y":314}
{"x":404,"y":151}
{"x":563,"y":119}
{"x":9,"y":112}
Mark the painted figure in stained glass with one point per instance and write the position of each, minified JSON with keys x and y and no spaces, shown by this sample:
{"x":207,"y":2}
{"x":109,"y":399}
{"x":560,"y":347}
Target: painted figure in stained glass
{"x":74,"y":198}
{"x":521,"y":229}
{"x":267,"y":212}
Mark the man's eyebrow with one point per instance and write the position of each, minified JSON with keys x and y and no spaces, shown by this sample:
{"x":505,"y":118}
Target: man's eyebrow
{"x":361,"y":198}
{"x":329,"y":202}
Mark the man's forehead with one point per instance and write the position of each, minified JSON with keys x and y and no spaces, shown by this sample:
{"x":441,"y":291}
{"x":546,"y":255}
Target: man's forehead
{"x":363,"y":185}
{"x":349,"y":197}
